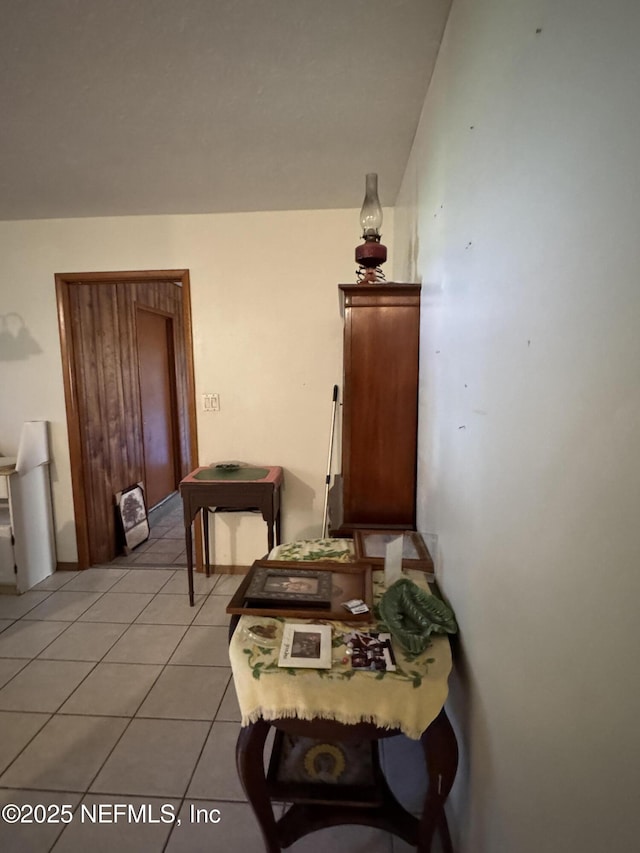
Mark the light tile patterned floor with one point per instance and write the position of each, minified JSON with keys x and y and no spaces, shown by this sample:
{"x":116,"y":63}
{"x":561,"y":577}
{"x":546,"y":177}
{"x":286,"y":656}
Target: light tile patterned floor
{"x":114,"y":691}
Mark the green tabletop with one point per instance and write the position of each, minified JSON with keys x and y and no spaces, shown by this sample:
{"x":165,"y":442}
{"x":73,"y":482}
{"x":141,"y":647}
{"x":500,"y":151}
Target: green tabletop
{"x":231,"y":474}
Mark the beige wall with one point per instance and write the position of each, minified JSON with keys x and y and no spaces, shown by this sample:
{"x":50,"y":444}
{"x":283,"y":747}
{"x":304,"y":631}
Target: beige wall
{"x":267,"y":338}
{"x":519,"y":213}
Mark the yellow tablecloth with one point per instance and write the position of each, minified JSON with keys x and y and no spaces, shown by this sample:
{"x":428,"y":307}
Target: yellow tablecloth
{"x":408,"y":699}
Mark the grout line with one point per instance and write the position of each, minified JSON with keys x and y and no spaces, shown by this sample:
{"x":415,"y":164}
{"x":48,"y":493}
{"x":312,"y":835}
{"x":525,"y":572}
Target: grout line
{"x":189,"y":780}
{"x":83,"y":794}
{"x":125,"y":568}
{"x":35,"y":735}
{"x":102,"y":660}
{"x":18,"y":597}
{"x":99,"y":593}
{"x":95,"y":663}
{"x":64,"y":826}
{"x":197,"y":761}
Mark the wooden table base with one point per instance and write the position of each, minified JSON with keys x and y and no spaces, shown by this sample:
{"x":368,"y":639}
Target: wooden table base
{"x":441,"y":757}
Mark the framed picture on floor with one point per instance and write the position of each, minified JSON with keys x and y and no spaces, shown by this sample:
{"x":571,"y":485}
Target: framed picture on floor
{"x":131,"y":510}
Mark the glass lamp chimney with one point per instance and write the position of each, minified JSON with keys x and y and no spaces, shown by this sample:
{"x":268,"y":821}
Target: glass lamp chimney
{"x":371,"y":213}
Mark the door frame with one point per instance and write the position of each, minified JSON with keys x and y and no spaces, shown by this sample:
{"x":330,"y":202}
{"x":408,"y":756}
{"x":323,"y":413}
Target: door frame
{"x":78,"y":485}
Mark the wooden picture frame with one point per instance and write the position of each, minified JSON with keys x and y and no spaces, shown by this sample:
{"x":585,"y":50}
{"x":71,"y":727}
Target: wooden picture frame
{"x":131,"y":509}
{"x":303,"y":769}
{"x":348,"y":580}
{"x":305,"y":646}
{"x":289,"y":587}
{"x":370,"y":547}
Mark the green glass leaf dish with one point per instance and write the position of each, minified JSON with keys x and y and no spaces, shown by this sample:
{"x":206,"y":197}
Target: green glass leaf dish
{"x":411,"y":614}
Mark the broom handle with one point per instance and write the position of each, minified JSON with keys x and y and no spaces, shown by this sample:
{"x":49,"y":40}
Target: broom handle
{"x":328,"y":477}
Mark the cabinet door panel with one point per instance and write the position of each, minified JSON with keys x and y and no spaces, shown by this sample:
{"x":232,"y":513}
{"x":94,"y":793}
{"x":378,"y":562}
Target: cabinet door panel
{"x":380,"y":404}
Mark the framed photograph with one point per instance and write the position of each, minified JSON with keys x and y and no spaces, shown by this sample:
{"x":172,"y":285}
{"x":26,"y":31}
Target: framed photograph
{"x":347,"y":581}
{"x":131,"y":510}
{"x":276,"y":586}
{"x":338,"y":770}
{"x":371,"y":546}
{"x":306,"y":646}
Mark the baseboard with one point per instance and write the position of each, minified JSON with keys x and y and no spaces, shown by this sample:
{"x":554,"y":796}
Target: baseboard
{"x":67,"y":567}
{"x":229,"y":570}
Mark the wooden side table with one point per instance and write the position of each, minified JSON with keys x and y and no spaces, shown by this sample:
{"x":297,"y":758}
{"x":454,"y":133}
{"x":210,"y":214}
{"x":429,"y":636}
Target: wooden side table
{"x":382,"y":810}
{"x":410,"y":700}
{"x":240,"y":488}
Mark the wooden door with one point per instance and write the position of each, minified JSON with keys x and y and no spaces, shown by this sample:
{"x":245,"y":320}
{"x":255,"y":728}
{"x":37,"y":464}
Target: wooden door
{"x":97,"y":317}
{"x":156,"y":371}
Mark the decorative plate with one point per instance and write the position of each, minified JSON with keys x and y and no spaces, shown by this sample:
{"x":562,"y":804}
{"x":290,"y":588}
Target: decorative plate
{"x":263,"y":632}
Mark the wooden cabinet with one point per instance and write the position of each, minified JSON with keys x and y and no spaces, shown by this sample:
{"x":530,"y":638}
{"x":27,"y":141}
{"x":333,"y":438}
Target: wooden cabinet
{"x":380,"y":405}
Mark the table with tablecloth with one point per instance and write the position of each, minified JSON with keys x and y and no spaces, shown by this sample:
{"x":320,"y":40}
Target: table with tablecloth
{"x":343,"y":701}
{"x":407,"y":699}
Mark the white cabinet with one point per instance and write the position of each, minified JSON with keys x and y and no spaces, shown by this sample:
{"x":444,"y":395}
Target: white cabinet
{"x":7,"y":561}
{"x":27,"y":549}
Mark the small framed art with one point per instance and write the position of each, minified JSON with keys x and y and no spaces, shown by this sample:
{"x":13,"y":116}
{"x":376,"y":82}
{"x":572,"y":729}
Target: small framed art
{"x":289,"y":587}
{"x":131,"y":510}
{"x":346,"y":581}
{"x":306,"y":646}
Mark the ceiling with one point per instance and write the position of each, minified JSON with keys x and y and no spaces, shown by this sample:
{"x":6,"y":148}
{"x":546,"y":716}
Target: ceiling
{"x":116,"y":107}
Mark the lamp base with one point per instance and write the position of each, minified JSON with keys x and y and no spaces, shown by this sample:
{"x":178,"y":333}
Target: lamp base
{"x":370,"y":255}
{"x":370,"y":275}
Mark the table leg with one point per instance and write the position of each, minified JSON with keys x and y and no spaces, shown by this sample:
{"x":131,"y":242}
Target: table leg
{"x":205,"y":531}
{"x":189,"y":545}
{"x":278,"y":524}
{"x":441,"y":756}
{"x":249,"y":761}
{"x":266,"y":509}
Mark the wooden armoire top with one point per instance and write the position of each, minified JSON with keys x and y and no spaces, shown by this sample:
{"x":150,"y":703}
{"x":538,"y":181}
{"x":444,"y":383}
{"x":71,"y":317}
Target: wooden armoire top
{"x":388,"y":293}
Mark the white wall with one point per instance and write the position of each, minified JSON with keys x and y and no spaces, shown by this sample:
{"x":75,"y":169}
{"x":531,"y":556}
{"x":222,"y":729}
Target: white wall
{"x":520,"y":213}
{"x":267,"y":338}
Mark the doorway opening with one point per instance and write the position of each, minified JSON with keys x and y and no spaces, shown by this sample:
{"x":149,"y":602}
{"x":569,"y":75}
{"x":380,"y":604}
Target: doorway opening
{"x":127,"y":354}
{"x":158,"y":403}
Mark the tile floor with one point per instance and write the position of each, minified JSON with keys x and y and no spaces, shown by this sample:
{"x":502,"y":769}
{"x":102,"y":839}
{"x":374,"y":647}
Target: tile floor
{"x":114,"y":691}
